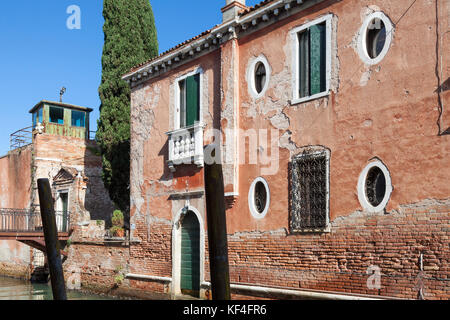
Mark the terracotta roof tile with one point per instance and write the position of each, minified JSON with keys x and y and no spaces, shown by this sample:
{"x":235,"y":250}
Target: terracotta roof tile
{"x":255,"y":7}
{"x":134,"y":69}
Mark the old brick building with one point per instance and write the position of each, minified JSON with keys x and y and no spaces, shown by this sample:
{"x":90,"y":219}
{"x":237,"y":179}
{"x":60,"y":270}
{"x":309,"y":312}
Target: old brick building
{"x":57,"y":146}
{"x":332,"y":126}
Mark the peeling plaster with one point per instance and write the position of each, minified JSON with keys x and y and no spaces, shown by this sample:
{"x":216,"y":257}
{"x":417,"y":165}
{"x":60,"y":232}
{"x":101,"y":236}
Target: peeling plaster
{"x":145,"y":99}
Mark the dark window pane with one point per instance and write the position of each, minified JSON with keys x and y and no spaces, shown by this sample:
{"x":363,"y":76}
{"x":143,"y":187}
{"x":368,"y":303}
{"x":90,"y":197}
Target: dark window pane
{"x":78,"y":118}
{"x":303,"y":39}
{"x":375,"y":186}
{"x":260,"y":197}
{"x":56,"y":115}
{"x":182,"y":85}
{"x":376,"y":38}
{"x":260,"y":77}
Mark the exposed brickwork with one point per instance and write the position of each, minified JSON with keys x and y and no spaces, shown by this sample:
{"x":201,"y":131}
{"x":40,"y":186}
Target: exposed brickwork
{"x":338,"y":261}
{"x":153,"y":255}
{"x":96,"y":265}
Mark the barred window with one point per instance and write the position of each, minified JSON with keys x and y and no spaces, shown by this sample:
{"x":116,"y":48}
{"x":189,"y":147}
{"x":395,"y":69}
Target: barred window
{"x":309,"y":201}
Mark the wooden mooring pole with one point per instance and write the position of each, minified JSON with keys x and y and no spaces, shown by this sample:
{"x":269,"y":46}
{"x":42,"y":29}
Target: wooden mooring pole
{"x":51,"y":240}
{"x":217,"y":232}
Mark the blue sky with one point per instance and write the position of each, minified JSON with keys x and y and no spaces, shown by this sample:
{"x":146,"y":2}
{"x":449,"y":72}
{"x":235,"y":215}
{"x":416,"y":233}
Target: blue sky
{"x":39,"y":54}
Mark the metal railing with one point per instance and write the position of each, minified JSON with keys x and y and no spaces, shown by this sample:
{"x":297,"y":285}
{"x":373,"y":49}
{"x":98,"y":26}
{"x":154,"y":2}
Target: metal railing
{"x":21,"y":138}
{"x":23,"y":221}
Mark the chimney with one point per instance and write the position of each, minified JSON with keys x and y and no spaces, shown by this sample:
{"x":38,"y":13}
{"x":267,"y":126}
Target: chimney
{"x":231,"y":9}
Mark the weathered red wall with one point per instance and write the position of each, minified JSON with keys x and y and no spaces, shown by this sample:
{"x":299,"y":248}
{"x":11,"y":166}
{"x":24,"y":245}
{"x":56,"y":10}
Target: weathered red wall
{"x":389,"y":111}
{"x":15,"y":177}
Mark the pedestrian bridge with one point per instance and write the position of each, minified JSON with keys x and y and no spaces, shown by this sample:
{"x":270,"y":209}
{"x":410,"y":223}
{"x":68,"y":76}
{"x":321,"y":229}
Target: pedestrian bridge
{"x":26,"y":226}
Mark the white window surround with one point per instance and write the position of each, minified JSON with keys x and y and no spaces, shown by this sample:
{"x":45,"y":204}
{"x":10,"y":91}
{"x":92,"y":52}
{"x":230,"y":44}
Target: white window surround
{"x":362,"y":187}
{"x":295,"y":60}
{"x":200,"y":71}
{"x":362,"y":38}
{"x":251,"y":199}
{"x":251,"y":76}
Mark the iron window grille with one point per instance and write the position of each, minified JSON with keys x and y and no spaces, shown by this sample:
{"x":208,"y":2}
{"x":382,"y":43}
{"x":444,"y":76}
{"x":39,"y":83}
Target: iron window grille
{"x":309,"y":199}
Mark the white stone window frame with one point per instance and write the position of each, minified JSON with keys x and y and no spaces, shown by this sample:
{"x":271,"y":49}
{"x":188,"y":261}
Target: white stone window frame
{"x":251,"y":76}
{"x":295,"y":59}
{"x":362,"y":38}
{"x":367,"y":206}
{"x":177,"y":112}
{"x":251,"y":199}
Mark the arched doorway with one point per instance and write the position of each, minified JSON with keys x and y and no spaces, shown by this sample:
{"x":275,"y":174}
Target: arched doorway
{"x":190,"y":255}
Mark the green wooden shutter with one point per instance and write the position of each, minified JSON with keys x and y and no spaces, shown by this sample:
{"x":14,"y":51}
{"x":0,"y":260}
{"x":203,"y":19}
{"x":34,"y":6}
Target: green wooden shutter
{"x":192,"y":99}
{"x":190,"y":254}
{"x":317,"y":58}
{"x":303,"y":40}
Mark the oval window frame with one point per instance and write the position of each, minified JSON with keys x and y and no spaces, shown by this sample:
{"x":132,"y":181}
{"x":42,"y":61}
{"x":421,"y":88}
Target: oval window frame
{"x":252,"y":73}
{"x":362,"y":38}
{"x":362,"y":195}
{"x":251,"y":199}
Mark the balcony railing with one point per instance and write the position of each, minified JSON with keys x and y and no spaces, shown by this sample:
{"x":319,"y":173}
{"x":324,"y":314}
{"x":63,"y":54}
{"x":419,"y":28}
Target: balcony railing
{"x":21,"y":138}
{"x":186,"y":146}
{"x":23,"y":221}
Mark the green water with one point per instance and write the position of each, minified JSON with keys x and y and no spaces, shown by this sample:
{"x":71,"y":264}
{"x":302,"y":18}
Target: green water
{"x":13,"y":289}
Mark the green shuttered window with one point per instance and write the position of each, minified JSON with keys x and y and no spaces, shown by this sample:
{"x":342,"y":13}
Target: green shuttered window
{"x":189,"y":100}
{"x":312,"y":60}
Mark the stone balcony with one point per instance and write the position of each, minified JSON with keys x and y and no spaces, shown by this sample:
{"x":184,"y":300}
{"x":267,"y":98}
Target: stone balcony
{"x":186,"y":146}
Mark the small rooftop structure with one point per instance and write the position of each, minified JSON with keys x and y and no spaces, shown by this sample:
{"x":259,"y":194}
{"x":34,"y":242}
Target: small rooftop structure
{"x":54,"y":118}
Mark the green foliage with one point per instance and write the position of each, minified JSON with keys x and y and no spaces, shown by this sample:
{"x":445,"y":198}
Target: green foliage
{"x":117,"y":218}
{"x":119,"y":279}
{"x":130,"y":39}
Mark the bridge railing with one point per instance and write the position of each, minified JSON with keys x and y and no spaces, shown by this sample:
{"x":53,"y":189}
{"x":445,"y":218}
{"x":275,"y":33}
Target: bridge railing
{"x":23,"y":221}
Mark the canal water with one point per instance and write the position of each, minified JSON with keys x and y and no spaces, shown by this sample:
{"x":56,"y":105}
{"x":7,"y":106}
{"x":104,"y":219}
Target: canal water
{"x":13,"y":289}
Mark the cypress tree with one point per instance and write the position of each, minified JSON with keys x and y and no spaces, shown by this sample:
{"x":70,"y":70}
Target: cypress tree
{"x":130,"y":39}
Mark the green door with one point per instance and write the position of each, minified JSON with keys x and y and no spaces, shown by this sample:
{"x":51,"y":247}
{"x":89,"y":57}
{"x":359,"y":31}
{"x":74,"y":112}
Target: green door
{"x":190,"y":255}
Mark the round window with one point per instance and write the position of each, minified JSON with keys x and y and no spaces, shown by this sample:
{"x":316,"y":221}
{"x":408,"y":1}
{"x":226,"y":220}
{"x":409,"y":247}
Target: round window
{"x":258,"y":77}
{"x":375,"y":38}
{"x":259,"y":198}
{"x":374,"y":187}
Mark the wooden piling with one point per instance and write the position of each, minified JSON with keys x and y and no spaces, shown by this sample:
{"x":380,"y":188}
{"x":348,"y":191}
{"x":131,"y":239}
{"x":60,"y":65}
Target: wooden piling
{"x":217,"y":232}
{"x":51,"y":240}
